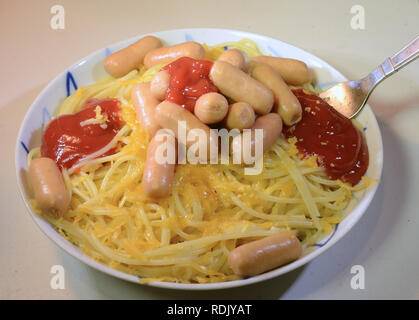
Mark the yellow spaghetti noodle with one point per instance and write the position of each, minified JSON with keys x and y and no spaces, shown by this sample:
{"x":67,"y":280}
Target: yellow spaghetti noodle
{"x":212,"y":209}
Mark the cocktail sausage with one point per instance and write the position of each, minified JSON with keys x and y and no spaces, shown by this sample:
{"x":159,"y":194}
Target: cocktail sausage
{"x":145,"y":104}
{"x":211,"y":107}
{"x":240,"y":116}
{"x":239,"y":86}
{"x":271,"y":124}
{"x":236,"y":58}
{"x":49,"y":188}
{"x":123,"y":61}
{"x":294,"y":72}
{"x":168,"y":54}
{"x":157,"y":176}
{"x":286,"y":103}
{"x":159,"y":84}
{"x":265,"y":254}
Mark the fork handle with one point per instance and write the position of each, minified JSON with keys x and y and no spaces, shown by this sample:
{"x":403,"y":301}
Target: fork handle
{"x":401,"y":59}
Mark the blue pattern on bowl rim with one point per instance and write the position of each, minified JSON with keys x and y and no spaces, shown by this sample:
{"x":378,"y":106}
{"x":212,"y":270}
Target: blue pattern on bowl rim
{"x":70,"y":81}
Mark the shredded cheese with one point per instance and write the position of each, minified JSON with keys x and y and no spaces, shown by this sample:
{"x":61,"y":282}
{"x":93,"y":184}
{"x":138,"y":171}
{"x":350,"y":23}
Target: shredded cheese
{"x":99,"y":119}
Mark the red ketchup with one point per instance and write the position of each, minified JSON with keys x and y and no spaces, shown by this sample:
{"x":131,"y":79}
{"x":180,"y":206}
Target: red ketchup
{"x":188,"y":81}
{"x":340,"y":147}
{"x":67,"y":139}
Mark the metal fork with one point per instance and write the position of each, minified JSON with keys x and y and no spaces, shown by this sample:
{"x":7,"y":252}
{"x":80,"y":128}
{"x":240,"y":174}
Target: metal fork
{"x":350,"y":97}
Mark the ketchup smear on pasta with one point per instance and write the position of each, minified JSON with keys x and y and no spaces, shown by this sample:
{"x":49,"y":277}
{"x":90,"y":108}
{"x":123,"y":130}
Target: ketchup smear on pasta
{"x":71,"y":137}
{"x":339,"y":146}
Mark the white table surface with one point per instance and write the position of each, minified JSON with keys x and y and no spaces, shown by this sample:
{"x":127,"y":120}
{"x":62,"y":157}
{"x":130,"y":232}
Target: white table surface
{"x":385,"y":241}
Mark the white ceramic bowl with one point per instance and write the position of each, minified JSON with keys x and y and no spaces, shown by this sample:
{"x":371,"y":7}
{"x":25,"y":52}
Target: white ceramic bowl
{"x":90,"y":69}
